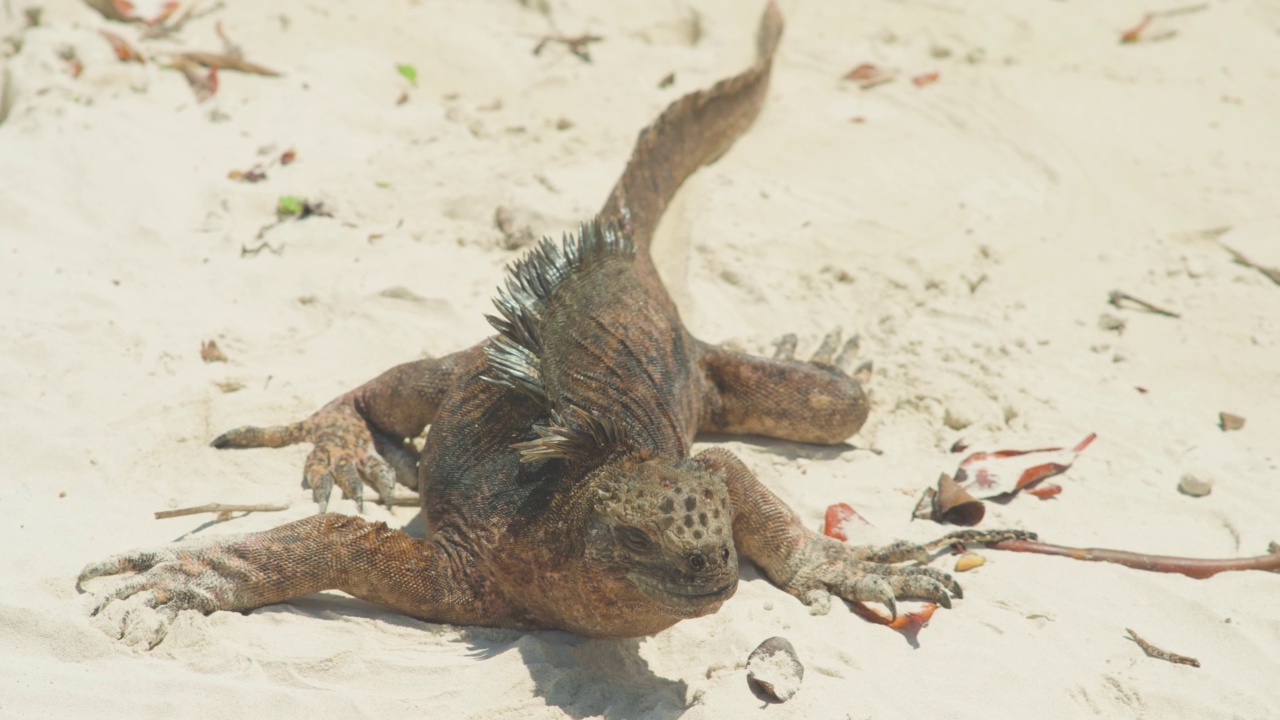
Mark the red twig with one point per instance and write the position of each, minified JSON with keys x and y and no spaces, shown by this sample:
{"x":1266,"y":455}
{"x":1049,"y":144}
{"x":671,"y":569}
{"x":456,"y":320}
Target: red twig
{"x":1198,"y":568}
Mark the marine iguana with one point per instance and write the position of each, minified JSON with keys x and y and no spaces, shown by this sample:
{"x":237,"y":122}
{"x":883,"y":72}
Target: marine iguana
{"x":556,"y":482}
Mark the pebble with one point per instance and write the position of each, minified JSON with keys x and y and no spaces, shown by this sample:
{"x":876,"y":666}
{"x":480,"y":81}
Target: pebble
{"x":774,"y":669}
{"x":1194,"y":486}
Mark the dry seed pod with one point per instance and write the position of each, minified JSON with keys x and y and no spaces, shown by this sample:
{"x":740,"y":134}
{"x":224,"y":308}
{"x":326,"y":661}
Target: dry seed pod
{"x":774,"y":670}
{"x":953,"y":505}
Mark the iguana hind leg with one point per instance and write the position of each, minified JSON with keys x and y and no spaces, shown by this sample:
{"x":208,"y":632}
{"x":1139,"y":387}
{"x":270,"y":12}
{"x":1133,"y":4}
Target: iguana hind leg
{"x":813,"y":401}
{"x":421,"y":578}
{"x":361,"y":436}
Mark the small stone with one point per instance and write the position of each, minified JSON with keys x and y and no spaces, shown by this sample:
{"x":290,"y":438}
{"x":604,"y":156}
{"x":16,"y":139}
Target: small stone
{"x":969,"y":561}
{"x":774,"y":670}
{"x":1194,"y":486}
{"x":956,"y":419}
{"x":1230,"y":422}
{"x":1111,"y":322}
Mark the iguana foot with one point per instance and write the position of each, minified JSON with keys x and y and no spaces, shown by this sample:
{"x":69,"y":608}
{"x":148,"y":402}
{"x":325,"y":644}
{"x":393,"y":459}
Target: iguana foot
{"x":824,"y":567}
{"x":347,"y":453}
{"x":139,"y":608}
{"x":785,"y":349}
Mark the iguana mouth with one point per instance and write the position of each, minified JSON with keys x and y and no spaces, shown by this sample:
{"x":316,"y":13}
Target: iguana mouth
{"x":657,"y":589}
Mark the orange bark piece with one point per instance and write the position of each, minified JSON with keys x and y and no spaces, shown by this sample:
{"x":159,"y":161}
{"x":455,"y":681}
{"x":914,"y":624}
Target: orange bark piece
{"x":837,"y":516}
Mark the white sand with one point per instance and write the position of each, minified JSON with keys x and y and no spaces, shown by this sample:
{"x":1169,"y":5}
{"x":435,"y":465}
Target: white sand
{"x":1048,"y":158}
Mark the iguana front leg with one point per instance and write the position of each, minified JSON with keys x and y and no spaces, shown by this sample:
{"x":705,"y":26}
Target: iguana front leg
{"x":360,"y":436}
{"x":814,"y":567}
{"x":425,"y":579}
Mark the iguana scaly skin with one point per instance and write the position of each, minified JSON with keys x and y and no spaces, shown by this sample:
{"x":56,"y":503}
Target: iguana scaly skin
{"x":556,"y":481}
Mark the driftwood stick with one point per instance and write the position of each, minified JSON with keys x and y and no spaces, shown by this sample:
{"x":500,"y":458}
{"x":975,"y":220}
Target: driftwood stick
{"x":1155,"y":652}
{"x":1198,"y":568}
{"x":221,"y":508}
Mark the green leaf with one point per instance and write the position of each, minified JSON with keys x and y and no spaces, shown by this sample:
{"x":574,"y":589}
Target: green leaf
{"x":290,"y":205}
{"x":409,"y":72}
{"x":383,"y":184}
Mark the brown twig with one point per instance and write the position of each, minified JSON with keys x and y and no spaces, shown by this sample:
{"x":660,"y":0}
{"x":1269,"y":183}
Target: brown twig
{"x":578,"y":45}
{"x":224,"y":61}
{"x":1198,"y":568}
{"x":1155,"y":652}
{"x":1119,"y":296}
{"x":1270,"y":272}
{"x":223,"y":509}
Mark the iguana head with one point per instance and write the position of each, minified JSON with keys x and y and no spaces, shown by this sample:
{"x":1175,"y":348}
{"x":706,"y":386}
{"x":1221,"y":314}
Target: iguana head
{"x":666,"y":526}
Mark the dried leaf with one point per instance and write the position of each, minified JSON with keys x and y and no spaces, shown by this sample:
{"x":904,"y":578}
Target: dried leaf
{"x":210,"y":352}
{"x":969,"y":561}
{"x":868,"y":76}
{"x":837,"y":515}
{"x":925,"y":79}
{"x":1044,"y":492}
{"x":123,"y":50}
{"x":1005,"y":472}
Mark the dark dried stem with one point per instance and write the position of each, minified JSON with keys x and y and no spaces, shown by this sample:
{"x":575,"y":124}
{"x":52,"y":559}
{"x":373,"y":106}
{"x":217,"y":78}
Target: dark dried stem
{"x":1119,"y":296}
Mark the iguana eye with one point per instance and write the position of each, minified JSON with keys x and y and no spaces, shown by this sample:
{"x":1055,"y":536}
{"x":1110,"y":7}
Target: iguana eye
{"x":633,"y":539}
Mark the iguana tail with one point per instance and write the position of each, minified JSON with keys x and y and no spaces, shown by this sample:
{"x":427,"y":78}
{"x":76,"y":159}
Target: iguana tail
{"x":691,"y":132}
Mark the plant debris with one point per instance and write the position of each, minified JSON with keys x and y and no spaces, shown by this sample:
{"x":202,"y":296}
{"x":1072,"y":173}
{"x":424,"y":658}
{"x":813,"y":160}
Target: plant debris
{"x":124,"y":51}
{"x":1155,"y":652}
{"x":833,"y":525}
{"x":1198,"y":568}
{"x":68,"y":56}
{"x":968,"y":561}
{"x":579,"y":45}
{"x":408,"y":72}
{"x":909,"y":622}
{"x":774,"y":670}
{"x":1138,"y":33}
{"x":1118,"y":297}
{"x":168,"y":22}
{"x":258,"y":172}
{"x":868,"y":76}
{"x":223,"y":510}
{"x":924,"y":79}
{"x":1228,"y":422}
{"x":210,"y":352}
{"x":1272,"y":273}
{"x":997,"y":476}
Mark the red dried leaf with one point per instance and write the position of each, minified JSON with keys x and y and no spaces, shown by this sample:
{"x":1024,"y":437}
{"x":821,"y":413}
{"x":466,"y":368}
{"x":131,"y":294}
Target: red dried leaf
{"x":166,"y":11}
{"x":288,"y":156}
{"x":989,"y":474}
{"x":1045,"y":492}
{"x":124,"y":51}
{"x":865,"y":71}
{"x":837,"y":516}
{"x":1134,"y":34}
{"x":925,"y":79}
{"x":907,"y":623}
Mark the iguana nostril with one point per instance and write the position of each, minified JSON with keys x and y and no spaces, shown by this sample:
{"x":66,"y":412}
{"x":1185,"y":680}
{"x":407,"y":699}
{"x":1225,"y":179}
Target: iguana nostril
{"x":698,"y":562}
{"x":724,"y":554}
